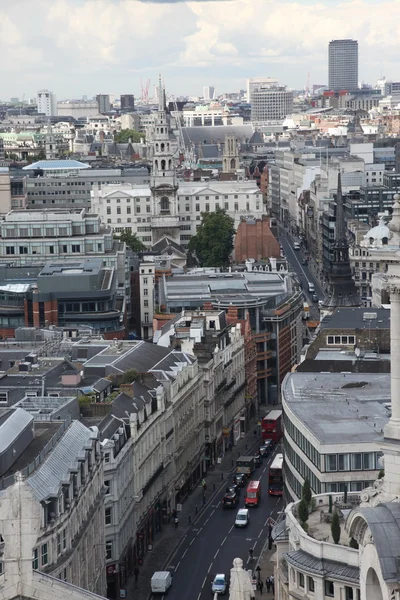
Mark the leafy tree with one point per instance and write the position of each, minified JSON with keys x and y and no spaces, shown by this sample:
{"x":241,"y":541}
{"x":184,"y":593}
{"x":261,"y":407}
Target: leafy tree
{"x":131,"y":240}
{"x":124,"y":135}
{"x":306,"y":491}
{"x":303,"y":511}
{"x":381,"y":474}
{"x":129,"y":376}
{"x":335,"y":527}
{"x":213,"y":243}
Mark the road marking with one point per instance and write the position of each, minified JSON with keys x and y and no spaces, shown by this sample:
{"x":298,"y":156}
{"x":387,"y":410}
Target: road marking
{"x":279,"y":500}
{"x":194,"y":529}
{"x":199,"y":596}
{"x":177,"y":566}
{"x":259,"y":535}
{"x":215,"y":555}
{"x":191,"y":542}
{"x":266,"y":522}
{"x":184,"y":554}
{"x":212,"y":513}
{"x":224,"y":540}
{"x":204,"y":582}
{"x":199,"y":530}
{"x":231,"y":529}
{"x":209,"y":568}
{"x":265,"y":468}
{"x":205,"y":522}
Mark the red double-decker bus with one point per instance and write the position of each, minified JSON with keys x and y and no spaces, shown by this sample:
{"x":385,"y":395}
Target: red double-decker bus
{"x":275,"y":476}
{"x":271,"y":426}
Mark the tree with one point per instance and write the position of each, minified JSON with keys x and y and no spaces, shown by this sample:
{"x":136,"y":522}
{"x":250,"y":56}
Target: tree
{"x":129,"y":376}
{"x":131,"y":240}
{"x":306,"y":491}
{"x":125,"y":135}
{"x":330,"y":504}
{"x":335,"y":527}
{"x":303,"y":511}
{"x":213,"y":243}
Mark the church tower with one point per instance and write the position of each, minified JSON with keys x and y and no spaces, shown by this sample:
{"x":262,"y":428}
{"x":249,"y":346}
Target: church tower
{"x":50,"y":144}
{"x":343,"y":291}
{"x":230,"y":160}
{"x":163,"y":184}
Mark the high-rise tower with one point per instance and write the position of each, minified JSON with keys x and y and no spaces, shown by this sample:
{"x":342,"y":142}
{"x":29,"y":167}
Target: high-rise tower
{"x":343,"y":65}
{"x":343,"y":291}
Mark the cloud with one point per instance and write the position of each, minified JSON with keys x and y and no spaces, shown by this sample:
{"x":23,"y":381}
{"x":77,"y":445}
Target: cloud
{"x":80,"y":47}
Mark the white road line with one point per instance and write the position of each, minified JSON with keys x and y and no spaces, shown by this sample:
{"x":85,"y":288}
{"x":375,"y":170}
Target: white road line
{"x":199,"y":596}
{"x":191,"y":542}
{"x":266,"y":522}
{"x":212,"y":512}
{"x":265,"y":468}
{"x":199,"y":531}
{"x":204,"y":582}
{"x":177,"y":566}
{"x":279,"y":500}
{"x":260,"y":534}
{"x":224,"y":540}
{"x":205,"y":522}
{"x":184,"y":554}
{"x":231,"y":529}
{"x":209,"y":568}
{"x":215,"y":555}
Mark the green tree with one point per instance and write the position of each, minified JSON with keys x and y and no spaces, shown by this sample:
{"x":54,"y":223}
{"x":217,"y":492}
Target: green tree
{"x":335,"y":527}
{"x":306,"y":491}
{"x":381,"y":474}
{"x":213,"y":243}
{"x":303,"y":511}
{"x":129,"y":376}
{"x":131,"y":240}
{"x":123,"y":136}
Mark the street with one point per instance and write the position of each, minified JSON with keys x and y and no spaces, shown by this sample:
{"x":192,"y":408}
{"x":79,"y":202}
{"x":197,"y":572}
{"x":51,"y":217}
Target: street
{"x":210,"y":546}
{"x":304,"y":273}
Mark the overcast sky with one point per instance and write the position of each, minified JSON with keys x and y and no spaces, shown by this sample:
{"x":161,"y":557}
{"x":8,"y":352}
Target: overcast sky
{"x":86,"y":47}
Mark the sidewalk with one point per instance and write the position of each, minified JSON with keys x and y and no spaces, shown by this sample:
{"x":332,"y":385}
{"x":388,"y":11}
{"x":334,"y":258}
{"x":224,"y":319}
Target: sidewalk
{"x":169,"y":538}
{"x":266,"y":562}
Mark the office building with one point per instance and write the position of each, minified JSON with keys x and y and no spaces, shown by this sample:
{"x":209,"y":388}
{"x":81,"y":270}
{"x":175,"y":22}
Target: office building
{"x":208,"y":92}
{"x":255,"y":82}
{"x":127,"y":102}
{"x":103,"y":103}
{"x":46,"y":103}
{"x":270,"y":103}
{"x":343,"y":65}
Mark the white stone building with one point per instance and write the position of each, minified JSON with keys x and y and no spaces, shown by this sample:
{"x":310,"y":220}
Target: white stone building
{"x":65,"y":496}
{"x":46,"y":103}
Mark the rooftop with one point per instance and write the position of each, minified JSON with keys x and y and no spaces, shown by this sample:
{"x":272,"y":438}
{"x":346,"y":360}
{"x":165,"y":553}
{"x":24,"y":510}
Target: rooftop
{"x":349,"y":403}
{"x":56,"y":165}
{"x":357,"y":318}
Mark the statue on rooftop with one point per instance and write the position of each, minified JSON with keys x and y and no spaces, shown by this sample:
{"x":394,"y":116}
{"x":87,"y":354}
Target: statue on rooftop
{"x":241,"y":587}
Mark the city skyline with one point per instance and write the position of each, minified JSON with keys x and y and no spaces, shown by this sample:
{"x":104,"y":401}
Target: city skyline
{"x":193,"y":44}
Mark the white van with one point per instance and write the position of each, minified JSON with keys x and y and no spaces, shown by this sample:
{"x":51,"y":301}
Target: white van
{"x":311,"y":287}
{"x":242,"y":518}
{"x":161,"y":582}
{"x":296,"y":246}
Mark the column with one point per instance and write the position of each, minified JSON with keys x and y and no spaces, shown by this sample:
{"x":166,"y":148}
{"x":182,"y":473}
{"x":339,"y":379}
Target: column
{"x":395,"y":352}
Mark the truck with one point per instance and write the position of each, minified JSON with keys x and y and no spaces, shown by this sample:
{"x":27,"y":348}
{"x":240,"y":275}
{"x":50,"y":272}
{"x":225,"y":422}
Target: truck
{"x":245,"y":465}
{"x":306,"y":311}
{"x":161,"y":582}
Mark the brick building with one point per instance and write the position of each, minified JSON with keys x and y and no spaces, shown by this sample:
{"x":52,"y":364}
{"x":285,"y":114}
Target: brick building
{"x":254,"y":239}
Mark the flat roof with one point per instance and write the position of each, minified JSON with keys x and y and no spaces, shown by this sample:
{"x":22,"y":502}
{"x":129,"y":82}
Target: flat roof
{"x":339,"y":408}
{"x":56,"y":165}
{"x":357,"y":318}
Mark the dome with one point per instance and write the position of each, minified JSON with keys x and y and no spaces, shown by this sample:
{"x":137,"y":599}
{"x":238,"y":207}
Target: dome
{"x":378,"y":235}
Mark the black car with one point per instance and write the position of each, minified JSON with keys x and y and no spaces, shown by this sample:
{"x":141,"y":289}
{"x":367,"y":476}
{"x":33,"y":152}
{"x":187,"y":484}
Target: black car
{"x":304,"y":262}
{"x":266,"y":448}
{"x":233,"y":487}
{"x":257,"y":460}
{"x":230,"y":500}
{"x":240,"y":479}
{"x":315,"y":298}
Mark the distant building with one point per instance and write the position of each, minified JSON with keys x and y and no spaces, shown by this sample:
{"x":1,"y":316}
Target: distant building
{"x":256,"y":82}
{"x":254,"y":239}
{"x":209,"y":92}
{"x":343,"y":65}
{"x":127,"y":102}
{"x":77,"y":110}
{"x":46,"y":103}
{"x":270,"y":103}
{"x":103,"y":103}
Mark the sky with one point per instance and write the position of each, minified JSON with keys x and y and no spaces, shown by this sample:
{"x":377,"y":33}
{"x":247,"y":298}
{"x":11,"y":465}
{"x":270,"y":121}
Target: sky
{"x":87,"y":47}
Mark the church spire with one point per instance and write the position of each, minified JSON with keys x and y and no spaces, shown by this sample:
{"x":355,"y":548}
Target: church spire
{"x":161,"y":95}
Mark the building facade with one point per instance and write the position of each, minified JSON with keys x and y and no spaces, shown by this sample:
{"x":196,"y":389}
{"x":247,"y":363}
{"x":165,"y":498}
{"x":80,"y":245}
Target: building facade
{"x":270,"y":103}
{"x":343,"y":65}
{"x":46,"y":103}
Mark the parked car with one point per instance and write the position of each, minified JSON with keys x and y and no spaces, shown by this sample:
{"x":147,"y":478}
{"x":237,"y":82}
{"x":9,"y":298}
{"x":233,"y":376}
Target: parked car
{"x":304,"y":262}
{"x":219,"y":584}
{"x":315,"y":298}
{"x":242,"y":517}
{"x":230,"y":500}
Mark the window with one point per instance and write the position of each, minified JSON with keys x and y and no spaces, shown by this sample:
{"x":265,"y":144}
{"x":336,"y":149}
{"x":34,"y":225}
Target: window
{"x":344,"y":462}
{"x":356,"y":462}
{"x":145,"y":303}
{"x":107,"y":457}
{"x":301,"y":580}
{"x":329,"y":588}
{"x":310,"y":584}
{"x":108,"y":515}
{"x":58,"y":544}
{"x":107,"y":485}
{"x":349,"y":593}
{"x":118,"y":210}
{"x":369,"y":461}
{"x":146,"y":317}
{"x":109,"y":550}
{"x":10,"y":250}
{"x":207,"y":207}
{"x":45,"y":555}
{"x":35,"y":561}
{"x":128,"y":210}
{"x":64,"y":539}
{"x":226,"y":205}
{"x":3,"y":397}
{"x":65,"y":249}
{"x":1,"y":568}
{"x":331,"y":462}
{"x":197,"y":207}
{"x":236,"y":206}
{"x":145,"y":292}
{"x":76,"y":248}
{"x":23,"y":249}
{"x":144,"y":280}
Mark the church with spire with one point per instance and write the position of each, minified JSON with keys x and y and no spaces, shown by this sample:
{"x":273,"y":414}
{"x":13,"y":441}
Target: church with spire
{"x":342,"y":288}
{"x":163,"y":184}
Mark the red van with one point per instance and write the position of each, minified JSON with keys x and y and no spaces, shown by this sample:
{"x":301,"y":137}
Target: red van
{"x":253,"y":494}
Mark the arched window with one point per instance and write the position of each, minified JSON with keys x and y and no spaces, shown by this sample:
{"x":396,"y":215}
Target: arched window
{"x":170,"y":164}
{"x":168,"y":146}
{"x":384,"y":241}
{"x":371,"y":240}
{"x":161,"y":129}
{"x":156,"y":164}
{"x":233,"y":163}
{"x":164,"y":204}
{"x":163,"y":165}
{"x":162,"y":147}
{"x":156,"y":147}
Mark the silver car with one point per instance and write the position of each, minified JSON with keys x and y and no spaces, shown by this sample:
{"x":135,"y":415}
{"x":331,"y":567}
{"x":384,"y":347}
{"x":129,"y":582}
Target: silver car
{"x":219,"y":584}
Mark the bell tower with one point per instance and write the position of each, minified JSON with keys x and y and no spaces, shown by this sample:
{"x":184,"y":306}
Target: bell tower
{"x":163,"y":184}
{"x":230,"y":160}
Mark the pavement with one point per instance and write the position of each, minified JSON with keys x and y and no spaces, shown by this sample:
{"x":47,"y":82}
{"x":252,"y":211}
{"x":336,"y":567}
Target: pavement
{"x":169,"y":539}
{"x":266,"y":562}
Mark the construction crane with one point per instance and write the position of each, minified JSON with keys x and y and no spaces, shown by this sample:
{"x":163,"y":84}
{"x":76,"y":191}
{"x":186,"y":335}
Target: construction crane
{"x":145,"y":90}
